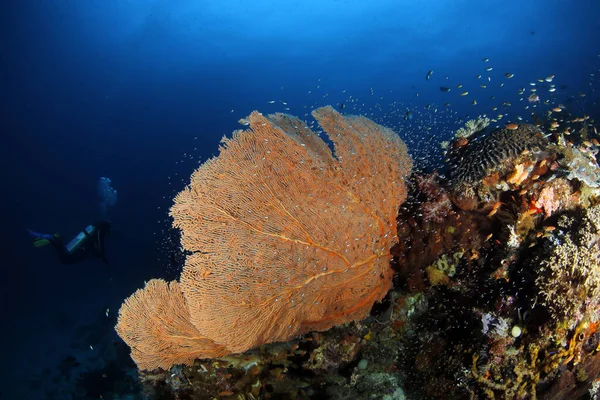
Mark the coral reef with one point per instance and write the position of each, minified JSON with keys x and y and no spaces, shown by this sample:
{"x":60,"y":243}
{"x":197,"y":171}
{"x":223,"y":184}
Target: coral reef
{"x":496,"y":276}
{"x":515,"y":314}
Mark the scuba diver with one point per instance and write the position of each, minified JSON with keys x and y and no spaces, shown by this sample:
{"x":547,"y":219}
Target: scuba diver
{"x":89,"y":243}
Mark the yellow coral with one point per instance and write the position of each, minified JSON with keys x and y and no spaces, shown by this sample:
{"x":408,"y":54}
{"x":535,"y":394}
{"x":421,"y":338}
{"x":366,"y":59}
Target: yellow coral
{"x":472,"y":126}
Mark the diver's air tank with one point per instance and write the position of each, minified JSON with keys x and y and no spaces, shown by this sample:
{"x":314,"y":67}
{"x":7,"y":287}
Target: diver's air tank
{"x":78,"y":240}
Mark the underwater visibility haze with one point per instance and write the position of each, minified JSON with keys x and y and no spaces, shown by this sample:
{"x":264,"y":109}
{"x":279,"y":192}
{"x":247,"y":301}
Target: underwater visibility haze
{"x":333,"y":199}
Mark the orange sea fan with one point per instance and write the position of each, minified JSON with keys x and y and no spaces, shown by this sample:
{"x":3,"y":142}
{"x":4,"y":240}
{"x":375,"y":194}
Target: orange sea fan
{"x":286,"y":238}
{"x":155,"y":323}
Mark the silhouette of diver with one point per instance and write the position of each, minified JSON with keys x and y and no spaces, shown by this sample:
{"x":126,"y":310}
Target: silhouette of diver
{"x":89,"y":243}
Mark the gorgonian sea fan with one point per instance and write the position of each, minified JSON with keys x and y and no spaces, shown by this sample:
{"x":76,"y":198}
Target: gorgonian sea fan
{"x":285,"y":238}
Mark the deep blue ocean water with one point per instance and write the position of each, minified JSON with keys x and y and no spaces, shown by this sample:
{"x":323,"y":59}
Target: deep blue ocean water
{"x":142,"y":92}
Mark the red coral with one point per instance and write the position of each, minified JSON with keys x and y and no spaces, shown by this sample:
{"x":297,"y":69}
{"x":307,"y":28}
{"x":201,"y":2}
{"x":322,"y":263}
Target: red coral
{"x":437,"y":210}
{"x":438,"y":205}
{"x":428,"y":184}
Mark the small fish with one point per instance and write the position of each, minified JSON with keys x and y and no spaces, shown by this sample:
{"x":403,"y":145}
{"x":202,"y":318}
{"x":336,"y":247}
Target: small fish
{"x":342,"y":105}
{"x":552,"y":89}
{"x":488,"y":69}
{"x":509,"y":75}
{"x":428,"y":74}
{"x":478,"y":76}
{"x":464,"y":93}
{"x":549,"y":78}
{"x":511,"y":127}
{"x":444,"y":89}
{"x":534,"y":98}
{"x":474,"y":102}
{"x":106,"y":313}
{"x":408,"y":115}
{"x":557,"y":109}
{"x":485,"y":59}
{"x":459,"y":86}
{"x":271,"y":101}
{"x":483,"y":86}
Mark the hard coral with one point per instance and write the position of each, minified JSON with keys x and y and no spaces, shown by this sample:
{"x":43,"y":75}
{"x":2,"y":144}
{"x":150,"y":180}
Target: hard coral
{"x":494,"y":152}
{"x":569,"y":275}
{"x":496,"y":162}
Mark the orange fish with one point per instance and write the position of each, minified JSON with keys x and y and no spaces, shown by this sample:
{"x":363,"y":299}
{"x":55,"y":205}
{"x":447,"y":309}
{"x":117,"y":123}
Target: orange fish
{"x":511,"y":127}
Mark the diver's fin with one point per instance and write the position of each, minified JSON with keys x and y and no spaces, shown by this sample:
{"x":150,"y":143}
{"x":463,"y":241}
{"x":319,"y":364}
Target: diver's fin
{"x":44,"y":240}
{"x":40,"y":242}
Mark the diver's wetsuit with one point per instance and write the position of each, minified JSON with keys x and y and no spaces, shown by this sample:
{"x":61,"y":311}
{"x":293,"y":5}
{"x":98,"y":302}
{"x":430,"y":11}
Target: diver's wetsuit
{"x":92,"y":246}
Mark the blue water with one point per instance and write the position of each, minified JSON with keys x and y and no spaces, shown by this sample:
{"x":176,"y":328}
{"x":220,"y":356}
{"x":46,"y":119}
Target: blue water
{"x":142,"y":91}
